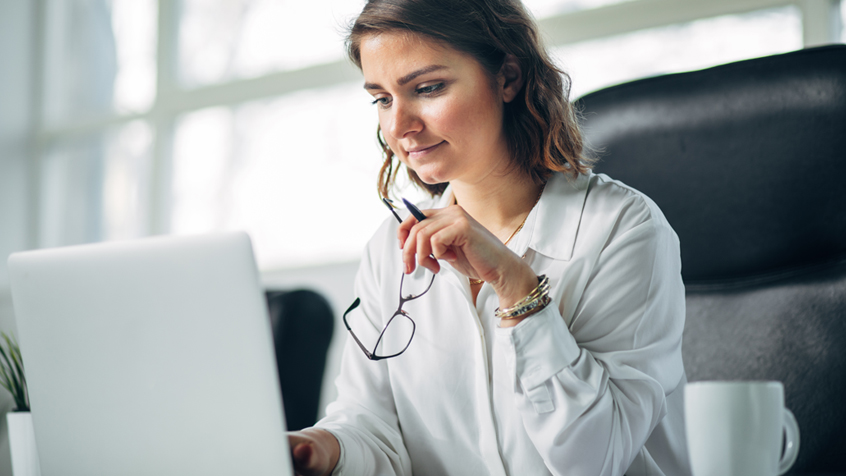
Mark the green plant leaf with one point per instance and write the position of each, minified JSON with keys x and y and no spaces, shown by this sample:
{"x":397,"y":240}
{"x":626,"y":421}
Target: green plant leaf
{"x":17,"y":349}
{"x":11,"y":372}
{"x":18,"y":364}
{"x":6,"y":363}
{"x":22,"y":370}
{"x":7,"y":384}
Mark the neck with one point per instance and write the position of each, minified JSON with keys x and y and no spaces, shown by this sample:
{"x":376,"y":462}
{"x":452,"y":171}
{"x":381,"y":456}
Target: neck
{"x":500,"y":202}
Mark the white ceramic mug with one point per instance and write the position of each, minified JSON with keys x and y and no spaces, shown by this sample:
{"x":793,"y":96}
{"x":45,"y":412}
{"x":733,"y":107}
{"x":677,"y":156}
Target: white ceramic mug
{"x":739,"y":428}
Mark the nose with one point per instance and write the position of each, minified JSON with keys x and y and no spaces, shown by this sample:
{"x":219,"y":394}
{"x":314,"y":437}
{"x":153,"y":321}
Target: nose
{"x":404,"y":119}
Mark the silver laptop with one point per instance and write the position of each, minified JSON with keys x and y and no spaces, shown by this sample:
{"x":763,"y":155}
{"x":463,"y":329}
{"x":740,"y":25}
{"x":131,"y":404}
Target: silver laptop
{"x":150,"y":357}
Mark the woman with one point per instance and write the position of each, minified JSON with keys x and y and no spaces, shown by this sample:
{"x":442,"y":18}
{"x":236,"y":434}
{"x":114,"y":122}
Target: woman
{"x":508,"y":373}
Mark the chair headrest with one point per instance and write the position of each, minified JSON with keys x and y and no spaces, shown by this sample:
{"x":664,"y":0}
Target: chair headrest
{"x":747,"y":160}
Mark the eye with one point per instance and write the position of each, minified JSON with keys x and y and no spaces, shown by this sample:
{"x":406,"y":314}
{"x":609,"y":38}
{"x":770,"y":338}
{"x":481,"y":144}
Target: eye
{"x":430,"y":89}
{"x":382,"y":102}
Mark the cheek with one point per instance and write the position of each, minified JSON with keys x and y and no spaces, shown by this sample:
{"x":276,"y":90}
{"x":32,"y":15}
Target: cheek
{"x":452,"y":119}
{"x":384,"y":128}
{"x":470,"y":119}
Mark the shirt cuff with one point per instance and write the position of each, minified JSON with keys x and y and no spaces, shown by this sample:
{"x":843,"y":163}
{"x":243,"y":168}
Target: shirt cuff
{"x":541,"y":346}
{"x":341,"y":465}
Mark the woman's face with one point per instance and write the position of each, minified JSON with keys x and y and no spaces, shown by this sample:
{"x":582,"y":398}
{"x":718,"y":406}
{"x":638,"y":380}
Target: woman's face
{"x":440,"y":111}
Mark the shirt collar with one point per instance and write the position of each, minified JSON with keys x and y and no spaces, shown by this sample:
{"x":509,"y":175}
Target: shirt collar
{"x":551,"y":226}
{"x":558,"y":214}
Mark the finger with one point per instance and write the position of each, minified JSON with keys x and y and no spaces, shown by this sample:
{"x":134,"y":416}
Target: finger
{"x":408,"y":251}
{"x":411,"y":239}
{"x":430,"y":263}
{"x":448,"y":255}
{"x":452,"y":244}
{"x":410,"y":221}
{"x":441,"y":245}
{"x":405,"y":229}
{"x":302,"y":455}
{"x":424,"y":246}
{"x":296,"y":437}
{"x":447,"y":243}
{"x":423,"y":232}
{"x":313,"y":451}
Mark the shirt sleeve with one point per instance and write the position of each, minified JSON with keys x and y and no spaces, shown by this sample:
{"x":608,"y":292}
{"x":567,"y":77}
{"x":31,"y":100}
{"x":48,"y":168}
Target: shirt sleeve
{"x":590,"y":394}
{"x":364,"y":418}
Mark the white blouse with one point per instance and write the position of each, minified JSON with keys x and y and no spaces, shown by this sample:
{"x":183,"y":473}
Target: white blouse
{"x":592,"y":385}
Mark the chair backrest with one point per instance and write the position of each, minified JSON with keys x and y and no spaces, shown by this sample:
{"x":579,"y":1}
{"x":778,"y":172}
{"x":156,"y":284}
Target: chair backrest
{"x":303,"y":323}
{"x":748,"y":163}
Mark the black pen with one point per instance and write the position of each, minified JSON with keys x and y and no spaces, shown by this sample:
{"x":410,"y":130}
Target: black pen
{"x":414,"y":210}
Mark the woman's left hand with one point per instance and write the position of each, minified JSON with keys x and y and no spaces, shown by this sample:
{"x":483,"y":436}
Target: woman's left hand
{"x":453,"y":235}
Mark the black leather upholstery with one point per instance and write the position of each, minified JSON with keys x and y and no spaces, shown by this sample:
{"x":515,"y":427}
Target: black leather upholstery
{"x":748,"y":163}
{"x":302,"y":324}
{"x":742,"y":158}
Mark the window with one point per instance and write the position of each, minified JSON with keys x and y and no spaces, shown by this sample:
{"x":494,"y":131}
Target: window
{"x":842,"y":23}
{"x":187,"y":116}
{"x":596,"y":64}
{"x":547,"y":8}
{"x":100,"y":59}
{"x":95,"y":186}
{"x":221,"y":41}
{"x":298,"y":171}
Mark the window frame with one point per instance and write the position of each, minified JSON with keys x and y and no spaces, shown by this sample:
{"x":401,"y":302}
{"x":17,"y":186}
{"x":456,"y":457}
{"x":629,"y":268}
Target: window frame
{"x":821,"y":24}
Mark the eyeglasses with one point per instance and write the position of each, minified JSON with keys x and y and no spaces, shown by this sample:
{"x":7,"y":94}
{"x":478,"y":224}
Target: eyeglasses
{"x":397,"y":333}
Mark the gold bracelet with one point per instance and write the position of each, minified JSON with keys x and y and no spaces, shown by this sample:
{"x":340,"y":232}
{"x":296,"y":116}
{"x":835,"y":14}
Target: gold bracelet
{"x":534,"y":302}
{"x":534,"y":310}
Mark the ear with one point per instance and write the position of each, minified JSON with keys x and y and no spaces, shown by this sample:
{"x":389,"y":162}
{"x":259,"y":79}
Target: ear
{"x":510,"y":78}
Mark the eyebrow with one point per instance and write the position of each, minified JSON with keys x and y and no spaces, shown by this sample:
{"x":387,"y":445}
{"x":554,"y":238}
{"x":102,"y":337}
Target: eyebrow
{"x":408,"y":77}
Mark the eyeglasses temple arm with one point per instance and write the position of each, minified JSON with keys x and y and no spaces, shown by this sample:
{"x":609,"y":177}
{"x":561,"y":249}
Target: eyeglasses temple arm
{"x":353,"y":306}
{"x":388,"y":204}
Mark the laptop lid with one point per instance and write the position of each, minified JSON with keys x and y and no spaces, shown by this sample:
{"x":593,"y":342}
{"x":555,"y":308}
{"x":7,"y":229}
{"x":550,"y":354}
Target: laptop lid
{"x":152,"y":356}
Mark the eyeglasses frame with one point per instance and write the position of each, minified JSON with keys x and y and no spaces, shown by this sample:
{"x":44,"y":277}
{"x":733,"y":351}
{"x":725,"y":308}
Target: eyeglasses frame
{"x":402,"y":300}
{"x":399,"y":312}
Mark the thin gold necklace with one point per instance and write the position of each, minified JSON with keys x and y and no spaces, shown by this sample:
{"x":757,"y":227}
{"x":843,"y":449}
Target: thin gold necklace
{"x":475,"y":282}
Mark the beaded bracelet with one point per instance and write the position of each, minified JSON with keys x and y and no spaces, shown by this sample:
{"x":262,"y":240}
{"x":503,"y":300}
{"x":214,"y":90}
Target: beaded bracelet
{"x":534,"y":302}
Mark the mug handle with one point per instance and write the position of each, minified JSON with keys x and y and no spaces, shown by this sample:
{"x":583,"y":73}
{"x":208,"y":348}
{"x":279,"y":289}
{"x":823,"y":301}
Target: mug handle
{"x":791,"y":442}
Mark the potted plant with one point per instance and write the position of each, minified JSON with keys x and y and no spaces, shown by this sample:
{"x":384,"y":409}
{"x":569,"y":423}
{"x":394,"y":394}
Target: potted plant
{"x":19,"y":420}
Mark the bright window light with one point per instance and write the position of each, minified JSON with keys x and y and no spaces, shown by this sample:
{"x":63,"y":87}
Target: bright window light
{"x":96,"y":187}
{"x":545,"y":8}
{"x":298,"y":173}
{"x":126,"y":181}
{"x":599,"y":63}
{"x":100,"y":58}
{"x":134,"y":26}
{"x":69,"y":210}
{"x":843,"y":21}
{"x":220,"y":41}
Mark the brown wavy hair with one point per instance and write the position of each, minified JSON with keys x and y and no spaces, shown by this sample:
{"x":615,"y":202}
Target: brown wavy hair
{"x":541,"y":125}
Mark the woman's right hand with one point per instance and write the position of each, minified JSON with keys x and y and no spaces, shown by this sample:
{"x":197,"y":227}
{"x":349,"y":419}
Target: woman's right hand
{"x":314,"y":452}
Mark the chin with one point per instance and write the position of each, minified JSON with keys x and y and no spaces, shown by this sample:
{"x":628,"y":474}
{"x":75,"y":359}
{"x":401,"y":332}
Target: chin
{"x":431,"y":179}
{"x":430,"y":173}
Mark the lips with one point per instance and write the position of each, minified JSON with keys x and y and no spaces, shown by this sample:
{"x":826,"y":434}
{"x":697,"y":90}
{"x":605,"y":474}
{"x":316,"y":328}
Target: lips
{"x":417,"y":152}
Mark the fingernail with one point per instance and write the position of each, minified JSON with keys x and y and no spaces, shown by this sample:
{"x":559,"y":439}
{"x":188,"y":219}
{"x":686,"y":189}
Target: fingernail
{"x":407,"y":268}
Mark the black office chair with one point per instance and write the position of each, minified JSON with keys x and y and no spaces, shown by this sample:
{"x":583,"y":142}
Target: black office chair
{"x":303,"y":323}
{"x":748,"y":162}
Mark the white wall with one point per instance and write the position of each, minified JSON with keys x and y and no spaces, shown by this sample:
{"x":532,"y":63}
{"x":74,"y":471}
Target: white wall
{"x":15,"y":96}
